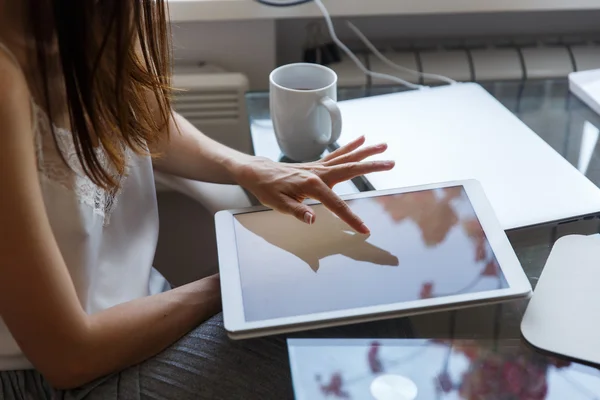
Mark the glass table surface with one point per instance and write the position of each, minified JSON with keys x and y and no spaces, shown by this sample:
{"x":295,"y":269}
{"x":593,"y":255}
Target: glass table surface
{"x":494,"y":356}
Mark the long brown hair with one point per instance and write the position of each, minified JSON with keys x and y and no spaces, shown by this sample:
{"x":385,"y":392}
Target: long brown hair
{"x":115,"y":58}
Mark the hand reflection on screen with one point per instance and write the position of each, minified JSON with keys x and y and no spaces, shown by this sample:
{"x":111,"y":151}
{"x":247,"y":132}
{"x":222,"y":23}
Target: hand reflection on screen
{"x":434,"y":215}
{"x":328,"y":236}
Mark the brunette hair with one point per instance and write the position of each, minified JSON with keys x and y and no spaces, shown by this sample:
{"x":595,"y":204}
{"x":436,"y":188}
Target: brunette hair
{"x":115,"y":58}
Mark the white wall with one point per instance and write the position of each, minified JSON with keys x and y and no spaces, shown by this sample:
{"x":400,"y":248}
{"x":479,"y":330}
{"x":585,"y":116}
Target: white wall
{"x":255,"y":47}
{"x":240,"y":46}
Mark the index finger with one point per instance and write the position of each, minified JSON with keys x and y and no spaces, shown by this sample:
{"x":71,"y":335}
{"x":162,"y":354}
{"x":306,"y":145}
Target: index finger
{"x":339,"y":207}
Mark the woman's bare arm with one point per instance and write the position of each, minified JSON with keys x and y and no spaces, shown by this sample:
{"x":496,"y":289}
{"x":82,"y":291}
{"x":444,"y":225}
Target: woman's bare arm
{"x":38,"y":301}
{"x":191,"y":154}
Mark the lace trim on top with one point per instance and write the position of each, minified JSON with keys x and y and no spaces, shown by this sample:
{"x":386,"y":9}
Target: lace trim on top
{"x":72,"y":177}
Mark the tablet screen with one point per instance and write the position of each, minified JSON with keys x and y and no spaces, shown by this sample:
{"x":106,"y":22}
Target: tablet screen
{"x":423,"y":244}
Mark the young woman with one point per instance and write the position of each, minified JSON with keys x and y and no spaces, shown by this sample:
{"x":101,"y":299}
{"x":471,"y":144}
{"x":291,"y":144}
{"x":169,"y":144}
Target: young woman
{"x":85,"y":118}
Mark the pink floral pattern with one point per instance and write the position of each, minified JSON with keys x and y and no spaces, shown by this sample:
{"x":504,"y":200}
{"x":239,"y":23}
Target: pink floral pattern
{"x":511,"y":373}
{"x":335,"y":387}
{"x":426,"y":290}
{"x":373,"y":358}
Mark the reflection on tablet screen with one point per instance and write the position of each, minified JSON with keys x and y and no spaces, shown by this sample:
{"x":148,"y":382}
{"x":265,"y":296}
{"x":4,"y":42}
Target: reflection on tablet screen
{"x":423,"y":244}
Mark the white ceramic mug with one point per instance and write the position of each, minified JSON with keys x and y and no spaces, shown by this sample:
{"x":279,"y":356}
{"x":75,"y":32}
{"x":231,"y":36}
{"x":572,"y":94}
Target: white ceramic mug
{"x":303,"y":107}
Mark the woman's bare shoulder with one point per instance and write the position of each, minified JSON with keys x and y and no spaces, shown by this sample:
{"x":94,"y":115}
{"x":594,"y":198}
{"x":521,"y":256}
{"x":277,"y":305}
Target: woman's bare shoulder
{"x":13,"y":84}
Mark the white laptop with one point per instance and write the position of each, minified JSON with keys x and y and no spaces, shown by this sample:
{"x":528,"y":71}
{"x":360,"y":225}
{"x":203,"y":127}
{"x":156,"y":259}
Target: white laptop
{"x":462,"y":132}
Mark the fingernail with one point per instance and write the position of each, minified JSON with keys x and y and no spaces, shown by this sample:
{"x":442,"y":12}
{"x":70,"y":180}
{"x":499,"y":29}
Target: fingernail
{"x":308,"y":218}
{"x":364,"y":229}
{"x":389,"y":163}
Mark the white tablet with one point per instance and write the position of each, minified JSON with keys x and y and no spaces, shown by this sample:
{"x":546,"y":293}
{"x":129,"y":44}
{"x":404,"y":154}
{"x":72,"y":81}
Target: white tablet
{"x":431,"y":247}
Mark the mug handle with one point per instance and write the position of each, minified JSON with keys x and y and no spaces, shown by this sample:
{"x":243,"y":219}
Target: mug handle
{"x":336,"y":121}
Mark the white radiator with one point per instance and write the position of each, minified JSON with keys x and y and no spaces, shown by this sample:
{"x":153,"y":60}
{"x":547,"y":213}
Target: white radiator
{"x":483,"y":63}
{"x":213,"y":101}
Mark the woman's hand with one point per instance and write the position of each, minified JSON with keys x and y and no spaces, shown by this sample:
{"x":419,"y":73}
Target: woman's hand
{"x":284,"y":187}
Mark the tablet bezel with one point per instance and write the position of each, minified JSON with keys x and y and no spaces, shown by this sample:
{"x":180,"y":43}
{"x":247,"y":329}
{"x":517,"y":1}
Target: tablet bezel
{"x":231,"y":289}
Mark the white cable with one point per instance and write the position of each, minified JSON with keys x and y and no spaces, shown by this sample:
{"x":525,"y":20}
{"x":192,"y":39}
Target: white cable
{"x":393,"y":65}
{"x":349,"y":53}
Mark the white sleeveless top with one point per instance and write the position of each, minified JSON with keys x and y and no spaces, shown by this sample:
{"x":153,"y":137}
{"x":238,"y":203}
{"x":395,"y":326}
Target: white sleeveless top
{"x":107,"y":239}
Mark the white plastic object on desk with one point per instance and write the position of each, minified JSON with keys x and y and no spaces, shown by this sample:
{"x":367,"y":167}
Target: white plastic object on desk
{"x":562,"y":316}
{"x":586,"y":86}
